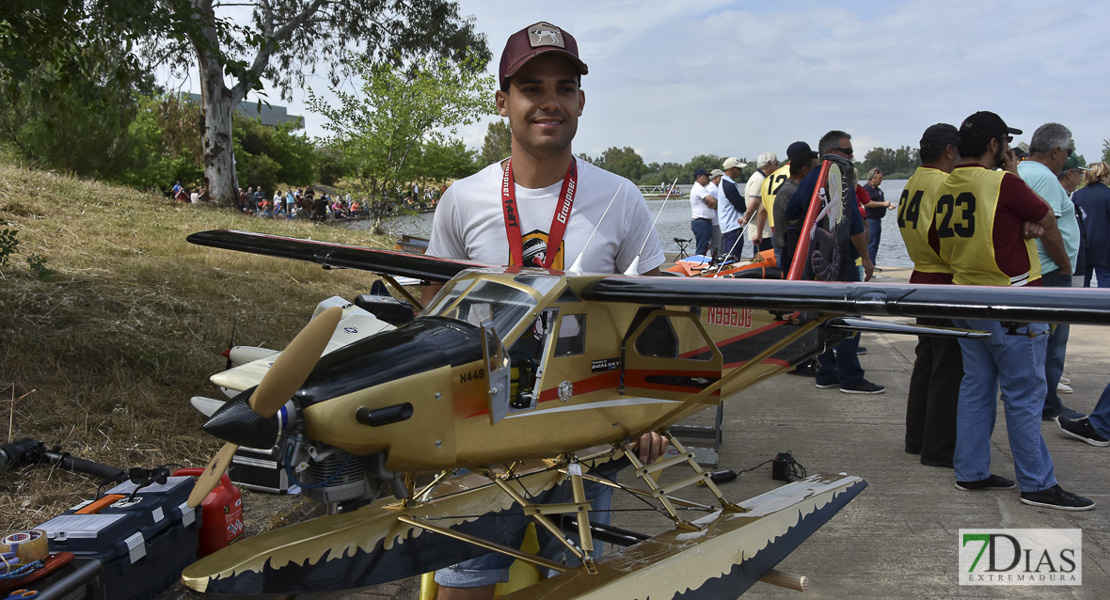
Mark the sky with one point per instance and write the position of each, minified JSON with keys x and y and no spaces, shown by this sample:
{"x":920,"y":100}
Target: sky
{"x":736,"y":78}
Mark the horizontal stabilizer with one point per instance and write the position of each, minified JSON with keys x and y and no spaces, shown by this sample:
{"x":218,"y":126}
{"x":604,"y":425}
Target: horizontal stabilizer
{"x":206,"y":406}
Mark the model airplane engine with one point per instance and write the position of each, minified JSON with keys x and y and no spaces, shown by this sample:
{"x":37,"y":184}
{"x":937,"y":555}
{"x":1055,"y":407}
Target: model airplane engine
{"x":327,"y":474}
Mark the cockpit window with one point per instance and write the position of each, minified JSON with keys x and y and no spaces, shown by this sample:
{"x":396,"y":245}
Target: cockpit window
{"x":486,"y":301}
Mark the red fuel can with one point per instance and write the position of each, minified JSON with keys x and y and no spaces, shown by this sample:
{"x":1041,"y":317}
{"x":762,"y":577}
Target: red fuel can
{"x":222,"y":510}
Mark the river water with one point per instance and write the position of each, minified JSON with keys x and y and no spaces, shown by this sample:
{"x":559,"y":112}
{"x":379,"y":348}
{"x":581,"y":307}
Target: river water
{"x":675,"y":223}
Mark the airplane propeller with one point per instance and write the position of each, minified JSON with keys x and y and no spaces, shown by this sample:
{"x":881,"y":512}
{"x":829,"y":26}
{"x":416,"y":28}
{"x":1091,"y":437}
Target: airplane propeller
{"x":281,"y":381}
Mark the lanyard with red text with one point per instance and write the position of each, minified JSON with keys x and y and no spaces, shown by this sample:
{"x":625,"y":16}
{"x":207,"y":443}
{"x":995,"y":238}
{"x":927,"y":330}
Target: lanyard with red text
{"x":558,"y":222}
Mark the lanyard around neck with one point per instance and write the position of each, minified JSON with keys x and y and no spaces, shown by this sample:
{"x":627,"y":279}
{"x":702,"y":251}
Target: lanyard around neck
{"x":558,"y":221}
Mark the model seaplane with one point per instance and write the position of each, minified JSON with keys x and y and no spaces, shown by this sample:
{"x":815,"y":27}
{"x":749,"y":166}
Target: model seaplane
{"x":512,"y":373}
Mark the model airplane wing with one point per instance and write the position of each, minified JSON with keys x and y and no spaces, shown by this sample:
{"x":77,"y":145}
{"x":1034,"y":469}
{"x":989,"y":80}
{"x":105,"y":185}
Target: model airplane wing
{"x":1029,"y":304}
{"x":328,"y":254}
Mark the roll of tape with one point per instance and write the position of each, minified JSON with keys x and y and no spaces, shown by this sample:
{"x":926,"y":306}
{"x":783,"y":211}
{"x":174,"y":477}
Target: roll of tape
{"x":29,"y":546}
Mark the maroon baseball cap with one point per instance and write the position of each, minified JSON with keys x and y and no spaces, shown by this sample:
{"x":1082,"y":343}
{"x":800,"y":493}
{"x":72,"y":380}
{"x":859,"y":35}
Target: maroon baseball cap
{"x":534,"y":40}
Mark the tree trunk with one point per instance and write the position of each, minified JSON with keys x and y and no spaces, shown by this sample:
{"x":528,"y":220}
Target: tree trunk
{"x":219,"y":159}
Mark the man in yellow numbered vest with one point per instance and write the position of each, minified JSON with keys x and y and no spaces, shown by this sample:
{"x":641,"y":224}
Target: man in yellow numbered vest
{"x":938,"y":367}
{"x":979,"y":218}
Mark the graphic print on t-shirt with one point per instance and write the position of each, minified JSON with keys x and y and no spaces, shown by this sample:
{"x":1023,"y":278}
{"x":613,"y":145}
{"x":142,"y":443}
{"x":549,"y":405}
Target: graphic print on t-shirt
{"x":535,"y":251}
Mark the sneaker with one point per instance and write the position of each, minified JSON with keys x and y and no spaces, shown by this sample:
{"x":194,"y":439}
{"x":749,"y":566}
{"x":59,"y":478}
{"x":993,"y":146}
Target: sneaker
{"x":1065,"y":380}
{"x":994,"y":482}
{"x":860,"y":350}
{"x":1063,"y":388}
{"x":1056,"y":497}
{"x":1081,"y":429}
{"x":825,"y":386}
{"x":1064,"y":412}
{"x":937,"y":462}
{"x":862,"y":386}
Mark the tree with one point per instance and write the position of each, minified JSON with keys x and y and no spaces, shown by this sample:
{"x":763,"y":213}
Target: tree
{"x":1106,"y":151}
{"x":443,"y":159}
{"x":895,"y":164}
{"x":397,"y":111}
{"x":498,"y":143}
{"x":702,"y":161}
{"x":267,"y":156}
{"x":624,"y":162}
{"x":165,"y":145}
{"x":288,"y":39}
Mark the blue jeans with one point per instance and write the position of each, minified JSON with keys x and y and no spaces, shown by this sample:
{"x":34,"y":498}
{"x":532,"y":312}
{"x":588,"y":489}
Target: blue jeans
{"x":703,"y":232}
{"x":843,"y":365}
{"x":1100,"y":416}
{"x":875,"y":226}
{"x":1102,"y":276}
{"x":1056,"y":352}
{"x":1014,"y":363}
{"x":729,"y":247}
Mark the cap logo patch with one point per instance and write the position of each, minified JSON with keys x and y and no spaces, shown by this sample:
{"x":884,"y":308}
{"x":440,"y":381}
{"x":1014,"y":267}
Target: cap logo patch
{"x":545,"y":34}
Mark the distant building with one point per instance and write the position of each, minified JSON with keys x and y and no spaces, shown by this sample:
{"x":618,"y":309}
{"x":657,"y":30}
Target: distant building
{"x":270,"y":115}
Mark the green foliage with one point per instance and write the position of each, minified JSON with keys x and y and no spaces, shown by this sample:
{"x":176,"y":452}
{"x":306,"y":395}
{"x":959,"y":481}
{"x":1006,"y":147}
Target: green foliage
{"x":1106,"y":151}
{"x":72,"y":122}
{"x":38,"y":266}
{"x":624,"y":162}
{"x":895,"y":164}
{"x":399,"y":111}
{"x":330,"y":168}
{"x":8,"y":245}
{"x":266,"y":156}
{"x":8,"y":242}
{"x":165,"y":142}
{"x":498,"y":143}
{"x":439,"y":160}
{"x":66,"y":37}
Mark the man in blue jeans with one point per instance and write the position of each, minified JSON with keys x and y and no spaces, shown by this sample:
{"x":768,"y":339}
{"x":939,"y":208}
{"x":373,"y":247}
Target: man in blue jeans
{"x":876,"y":209}
{"x":1048,"y":151}
{"x":839,"y":369}
{"x":979,"y":221}
{"x":703,"y":207}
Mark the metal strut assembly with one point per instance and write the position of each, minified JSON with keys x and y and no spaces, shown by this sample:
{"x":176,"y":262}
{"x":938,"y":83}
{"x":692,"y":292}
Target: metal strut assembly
{"x":661,"y":493}
{"x":579,"y":507}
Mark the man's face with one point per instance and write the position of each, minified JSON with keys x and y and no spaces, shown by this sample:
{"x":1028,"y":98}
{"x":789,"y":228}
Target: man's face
{"x":877,"y":179}
{"x":703,"y":179}
{"x":1003,"y":142}
{"x":543,"y":105}
{"x":1070,"y":181}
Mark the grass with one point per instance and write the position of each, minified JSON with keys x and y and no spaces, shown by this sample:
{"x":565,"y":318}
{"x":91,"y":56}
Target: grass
{"x":103,"y":357}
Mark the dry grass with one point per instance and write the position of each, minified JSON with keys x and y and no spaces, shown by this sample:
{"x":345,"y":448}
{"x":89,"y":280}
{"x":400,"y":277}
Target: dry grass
{"x":103,"y":359}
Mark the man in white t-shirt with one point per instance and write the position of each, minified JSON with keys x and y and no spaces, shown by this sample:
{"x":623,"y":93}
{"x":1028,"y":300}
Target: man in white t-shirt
{"x":730,"y":209}
{"x":760,"y":231}
{"x":703,"y":207}
{"x":715,"y":191}
{"x":538,"y":208}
